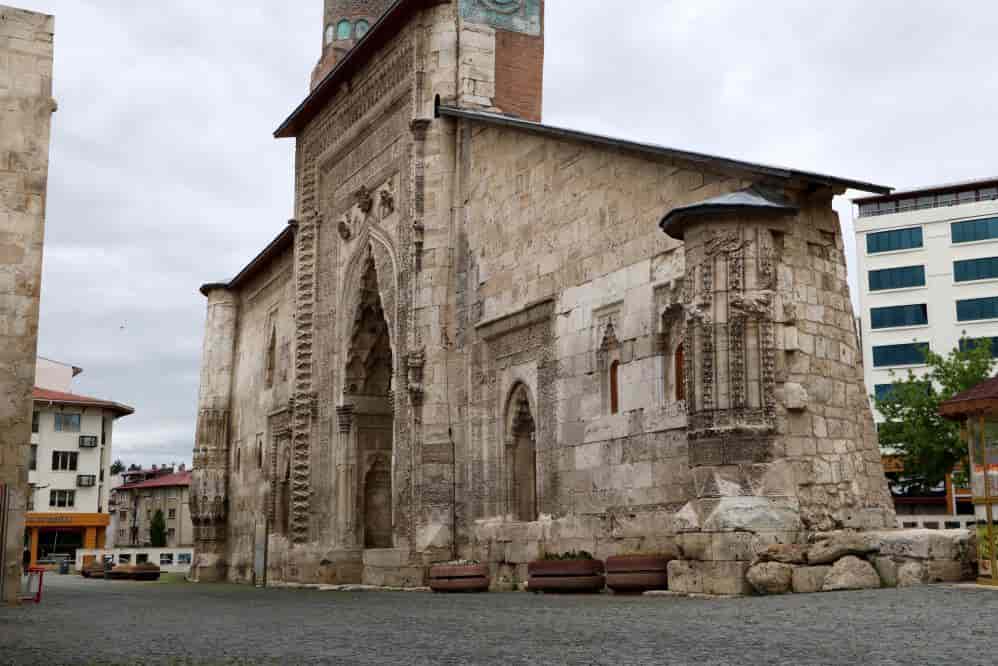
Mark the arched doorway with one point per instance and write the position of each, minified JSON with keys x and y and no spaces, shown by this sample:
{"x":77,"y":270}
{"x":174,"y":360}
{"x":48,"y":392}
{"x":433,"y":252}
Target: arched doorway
{"x":368,"y":388}
{"x":521,"y":456}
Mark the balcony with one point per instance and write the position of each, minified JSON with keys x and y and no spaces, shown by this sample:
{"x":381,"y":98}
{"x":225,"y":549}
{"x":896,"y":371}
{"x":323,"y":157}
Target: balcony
{"x":88,"y":442}
{"x":86,"y":480}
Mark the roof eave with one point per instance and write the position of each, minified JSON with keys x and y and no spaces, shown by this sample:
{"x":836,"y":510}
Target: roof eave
{"x":280,"y":244}
{"x":685,"y":155}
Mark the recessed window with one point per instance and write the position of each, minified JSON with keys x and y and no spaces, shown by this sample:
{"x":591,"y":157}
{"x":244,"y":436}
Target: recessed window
{"x":894,"y":240}
{"x":899,"y":315}
{"x":183,"y":558}
{"x":34,"y":422}
{"x":615,"y":387}
{"x":914,"y":353}
{"x":971,"y":343}
{"x":330,"y":34}
{"x":975,"y":230}
{"x":680,"y":363}
{"x":271,"y":359}
{"x":67,"y":423}
{"x":33,"y":460}
{"x":361,"y":28}
{"x":977,"y":308}
{"x":172,"y":514}
{"x":142,"y":558}
{"x":62,"y":499}
{"x":65,"y":461}
{"x":975,"y":269}
{"x":343,"y":30}
{"x":897,"y":278}
{"x":166,"y":559}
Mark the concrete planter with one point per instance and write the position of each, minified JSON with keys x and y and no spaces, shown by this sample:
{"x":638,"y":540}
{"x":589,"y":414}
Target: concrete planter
{"x":459,"y":578}
{"x":635,"y":574}
{"x":566,"y":576}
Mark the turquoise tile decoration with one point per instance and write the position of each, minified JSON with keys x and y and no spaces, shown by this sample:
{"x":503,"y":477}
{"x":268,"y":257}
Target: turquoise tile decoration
{"x":522,"y":16}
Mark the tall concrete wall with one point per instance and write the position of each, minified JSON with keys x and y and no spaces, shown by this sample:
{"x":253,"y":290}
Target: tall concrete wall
{"x":26,"y":106}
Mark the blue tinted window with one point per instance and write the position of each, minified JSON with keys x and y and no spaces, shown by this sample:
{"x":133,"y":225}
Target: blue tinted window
{"x":897,"y":278}
{"x":898,"y":239}
{"x":909,"y":354}
{"x":975,"y":269}
{"x":975,"y":230}
{"x":899,"y":315}
{"x":361,"y":28}
{"x":343,"y":30}
{"x":881,"y":391}
{"x":977,"y":308}
{"x":968,"y":343}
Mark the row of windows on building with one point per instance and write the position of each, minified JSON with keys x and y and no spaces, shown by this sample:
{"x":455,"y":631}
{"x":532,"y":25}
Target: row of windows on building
{"x":165,"y":559}
{"x":345,"y":30}
{"x":898,"y":316}
{"x":968,"y":270}
{"x":941,"y":200}
{"x":62,"y":461}
{"x":171,"y":514}
{"x":914,"y":353}
{"x":912,"y":238}
{"x":63,"y":422}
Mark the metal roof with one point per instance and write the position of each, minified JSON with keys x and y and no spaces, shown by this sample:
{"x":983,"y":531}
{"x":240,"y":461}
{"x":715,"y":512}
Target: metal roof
{"x":750,"y":199}
{"x":931,"y":189}
{"x":653,"y":149}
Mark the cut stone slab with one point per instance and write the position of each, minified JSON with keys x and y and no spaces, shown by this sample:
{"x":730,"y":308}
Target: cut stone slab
{"x":771,"y":577}
{"x":790,"y":553}
{"x":922,"y":544}
{"x":752,"y":514}
{"x":807,"y":580}
{"x":946,"y":571}
{"x":887,"y":569}
{"x":851,"y":573}
{"x":912,"y":574}
{"x":836,"y":547}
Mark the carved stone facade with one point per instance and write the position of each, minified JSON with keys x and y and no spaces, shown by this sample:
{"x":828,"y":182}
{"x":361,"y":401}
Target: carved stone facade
{"x":493,"y":347}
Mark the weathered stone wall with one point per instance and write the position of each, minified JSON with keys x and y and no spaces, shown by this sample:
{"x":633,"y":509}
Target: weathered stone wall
{"x":259,"y":449}
{"x":26,"y":106}
{"x":563,"y":271}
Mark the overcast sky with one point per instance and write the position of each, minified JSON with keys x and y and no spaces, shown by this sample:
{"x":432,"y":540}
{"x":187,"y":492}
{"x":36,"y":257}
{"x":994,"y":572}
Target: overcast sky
{"x":164,"y":174}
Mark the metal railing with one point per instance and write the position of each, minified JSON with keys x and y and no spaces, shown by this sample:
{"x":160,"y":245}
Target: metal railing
{"x":938,"y":201}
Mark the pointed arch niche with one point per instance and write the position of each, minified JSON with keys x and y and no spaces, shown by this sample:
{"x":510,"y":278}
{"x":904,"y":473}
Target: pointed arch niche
{"x":521,"y":456}
{"x":367,"y":416}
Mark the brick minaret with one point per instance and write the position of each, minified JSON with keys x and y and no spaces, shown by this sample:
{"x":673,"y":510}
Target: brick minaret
{"x":344,"y":23}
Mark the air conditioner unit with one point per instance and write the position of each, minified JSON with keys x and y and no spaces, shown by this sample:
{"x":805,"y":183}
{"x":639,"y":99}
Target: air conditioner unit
{"x":86,"y":480}
{"x":88,"y":442}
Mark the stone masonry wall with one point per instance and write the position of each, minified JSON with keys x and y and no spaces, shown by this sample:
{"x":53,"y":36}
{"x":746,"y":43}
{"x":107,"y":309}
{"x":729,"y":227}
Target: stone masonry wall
{"x":573,"y":225}
{"x":26,"y":106}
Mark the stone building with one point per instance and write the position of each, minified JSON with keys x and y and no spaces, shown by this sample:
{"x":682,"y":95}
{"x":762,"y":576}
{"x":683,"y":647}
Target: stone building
{"x":489,"y":338}
{"x":26,"y":107}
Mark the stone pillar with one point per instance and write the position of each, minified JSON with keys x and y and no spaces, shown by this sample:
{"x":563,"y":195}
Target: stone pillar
{"x":209,"y":485}
{"x":26,"y":107}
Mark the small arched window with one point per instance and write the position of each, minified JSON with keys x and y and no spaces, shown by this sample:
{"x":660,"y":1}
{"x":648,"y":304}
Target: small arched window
{"x":343,"y":29}
{"x":615,"y":387}
{"x":361,"y":28}
{"x":680,"y":361}
{"x":271,"y":358}
{"x":330,"y":34}
{"x":238,"y":457}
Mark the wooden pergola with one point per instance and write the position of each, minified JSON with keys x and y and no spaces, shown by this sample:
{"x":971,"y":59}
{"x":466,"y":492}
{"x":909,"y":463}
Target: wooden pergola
{"x":977,"y":410}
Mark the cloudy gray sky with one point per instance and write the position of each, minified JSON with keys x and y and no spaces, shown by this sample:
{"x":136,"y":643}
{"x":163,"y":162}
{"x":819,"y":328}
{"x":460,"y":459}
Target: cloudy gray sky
{"x":164,"y":174}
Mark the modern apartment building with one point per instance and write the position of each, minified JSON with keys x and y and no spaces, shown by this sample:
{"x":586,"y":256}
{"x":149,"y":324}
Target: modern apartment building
{"x":69,"y":467}
{"x":928,"y":278}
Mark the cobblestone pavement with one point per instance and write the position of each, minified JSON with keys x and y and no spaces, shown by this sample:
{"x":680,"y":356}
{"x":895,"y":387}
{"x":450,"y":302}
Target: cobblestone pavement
{"x":102,"y":622}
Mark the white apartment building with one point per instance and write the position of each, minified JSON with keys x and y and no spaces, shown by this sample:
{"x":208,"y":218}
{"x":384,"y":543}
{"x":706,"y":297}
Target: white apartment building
{"x":69,"y":468}
{"x":928,"y":275}
{"x":928,"y":278}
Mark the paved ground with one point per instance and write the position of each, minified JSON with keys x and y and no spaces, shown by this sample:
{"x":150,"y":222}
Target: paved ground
{"x":118,"y":622}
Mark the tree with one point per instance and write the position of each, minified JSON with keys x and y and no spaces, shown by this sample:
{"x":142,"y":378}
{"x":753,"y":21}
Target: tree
{"x":157,"y":530}
{"x":117,"y":467}
{"x":929,"y":445}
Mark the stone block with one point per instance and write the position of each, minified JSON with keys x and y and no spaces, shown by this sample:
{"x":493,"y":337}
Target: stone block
{"x":784,"y":553}
{"x":807,"y":580}
{"x":945,"y":571}
{"x":385,"y":557}
{"x":851,"y":573}
{"x":887,"y":569}
{"x":829,"y":550}
{"x":771,"y":577}
{"x":684,"y":577}
{"x":725,"y":578}
{"x":912,"y":574}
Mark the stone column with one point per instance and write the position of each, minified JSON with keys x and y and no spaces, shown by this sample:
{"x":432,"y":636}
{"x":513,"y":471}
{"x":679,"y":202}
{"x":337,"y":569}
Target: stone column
{"x":26,"y":108}
{"x":209,"y":485}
